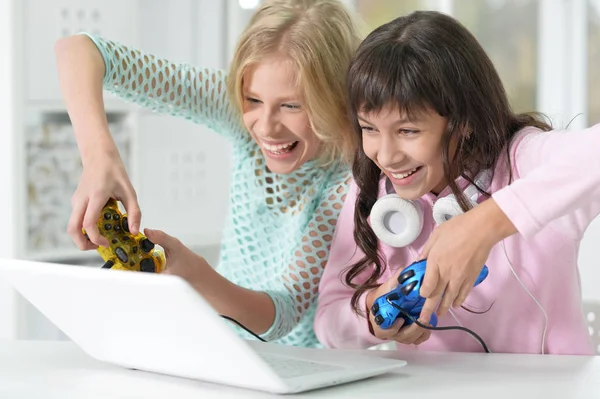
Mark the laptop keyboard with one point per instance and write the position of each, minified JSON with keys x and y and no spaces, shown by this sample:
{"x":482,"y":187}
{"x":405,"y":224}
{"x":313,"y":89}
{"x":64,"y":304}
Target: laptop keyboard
{"x":287,"y":367}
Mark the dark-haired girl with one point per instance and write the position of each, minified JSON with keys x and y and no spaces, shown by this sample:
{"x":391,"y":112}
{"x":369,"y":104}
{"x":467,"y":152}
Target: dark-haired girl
{"x":467,"y":182}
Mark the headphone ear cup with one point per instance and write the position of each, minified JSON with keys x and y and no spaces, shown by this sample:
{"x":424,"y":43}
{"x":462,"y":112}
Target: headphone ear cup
{"x":445,"y":209}
{"x":448,"y":207}
{"x":395,"y":221}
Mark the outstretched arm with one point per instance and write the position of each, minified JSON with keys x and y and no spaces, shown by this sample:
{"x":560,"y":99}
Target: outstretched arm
{"x":198,"y":94}
{"x":81,"y":70}
{"x":557,"y":181}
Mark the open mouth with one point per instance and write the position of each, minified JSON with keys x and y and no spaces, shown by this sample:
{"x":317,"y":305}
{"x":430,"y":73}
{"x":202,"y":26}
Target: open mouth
{"x":401,"y":176}
{"x":280,"y":149}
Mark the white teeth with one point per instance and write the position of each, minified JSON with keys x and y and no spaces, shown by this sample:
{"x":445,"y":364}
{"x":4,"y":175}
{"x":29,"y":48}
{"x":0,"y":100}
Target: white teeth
{"x":277,"y":147}
{"x":403,"y":175}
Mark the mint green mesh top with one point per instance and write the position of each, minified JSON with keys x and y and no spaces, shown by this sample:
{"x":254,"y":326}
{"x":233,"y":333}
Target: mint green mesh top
{"x":279,"y":227}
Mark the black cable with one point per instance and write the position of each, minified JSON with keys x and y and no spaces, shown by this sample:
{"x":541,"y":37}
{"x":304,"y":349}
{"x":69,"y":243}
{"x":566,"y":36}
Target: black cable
{"x":242,"y":326}
{"x":405,"y":313}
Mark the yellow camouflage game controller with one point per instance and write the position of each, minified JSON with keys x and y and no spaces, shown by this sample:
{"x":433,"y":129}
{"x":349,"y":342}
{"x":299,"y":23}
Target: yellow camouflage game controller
{"x":126,"y":251}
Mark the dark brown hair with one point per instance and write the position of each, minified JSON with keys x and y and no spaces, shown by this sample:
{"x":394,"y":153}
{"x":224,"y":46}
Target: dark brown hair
{"x":427,"y":60}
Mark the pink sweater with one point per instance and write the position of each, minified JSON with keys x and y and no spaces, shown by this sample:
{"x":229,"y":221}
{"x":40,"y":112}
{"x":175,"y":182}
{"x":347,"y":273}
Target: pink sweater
{"x":554,"y":198}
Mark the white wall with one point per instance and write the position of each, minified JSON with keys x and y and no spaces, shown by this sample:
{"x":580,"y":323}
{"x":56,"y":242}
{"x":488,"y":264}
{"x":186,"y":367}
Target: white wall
{"x":8,"y":300}
{"x":562,"y":94}
{"x":237,"y":19}
{"x":562,"y":62}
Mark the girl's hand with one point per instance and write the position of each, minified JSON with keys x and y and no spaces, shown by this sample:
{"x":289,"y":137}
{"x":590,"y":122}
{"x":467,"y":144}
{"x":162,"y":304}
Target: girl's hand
{"x":181,"y":261}
{"x":104,"y":177}
{"x":412,"y":334}
{"x":456,"y":253}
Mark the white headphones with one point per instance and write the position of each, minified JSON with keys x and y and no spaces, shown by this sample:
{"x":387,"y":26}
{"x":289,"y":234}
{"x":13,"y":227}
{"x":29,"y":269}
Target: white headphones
{"x":398,"y":222}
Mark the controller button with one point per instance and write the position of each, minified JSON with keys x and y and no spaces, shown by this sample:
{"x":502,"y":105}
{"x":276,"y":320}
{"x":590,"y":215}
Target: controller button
{"x":146,"y":245}
{"x":107,"y":216}
{"x":107,"y":227}
{"x":116,"y":216}
{"x":379,"y":320}
{"x":131,"y":263}
{"x":114,"y":241}
{"x":134,"y":250}
{"x":393,"y":296}
{"x":405,"y":276}
{"x":125,"y":225}
{"x":375,"y":308}
{"x":147,"y":265}
{"x":117,"y":227}
{"x":407,"y":289}
{"x":121,"y":255}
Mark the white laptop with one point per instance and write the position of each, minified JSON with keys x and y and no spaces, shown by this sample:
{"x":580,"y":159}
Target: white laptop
{"x":159,"y":323}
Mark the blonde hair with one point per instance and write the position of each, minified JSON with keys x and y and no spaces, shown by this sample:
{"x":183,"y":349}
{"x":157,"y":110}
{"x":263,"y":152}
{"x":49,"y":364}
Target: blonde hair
{"x":320,"y":38}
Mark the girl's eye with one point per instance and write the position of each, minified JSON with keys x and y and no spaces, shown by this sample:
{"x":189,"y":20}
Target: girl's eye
{"x":367,"y":129}
{"x":409,"y":132}
{"x":292,"y":106}
{"x":252,"y":100}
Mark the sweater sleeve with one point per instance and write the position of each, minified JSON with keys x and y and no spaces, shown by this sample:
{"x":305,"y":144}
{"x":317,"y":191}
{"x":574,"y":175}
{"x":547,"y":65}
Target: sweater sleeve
{"x":336,"y":323}
{"x":301,"y":280}
{"x":197,"y":94}
{"x":558,"y":176}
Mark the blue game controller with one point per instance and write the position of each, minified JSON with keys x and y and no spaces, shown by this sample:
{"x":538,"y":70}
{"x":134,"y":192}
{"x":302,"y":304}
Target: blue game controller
{"x":406,"y":296}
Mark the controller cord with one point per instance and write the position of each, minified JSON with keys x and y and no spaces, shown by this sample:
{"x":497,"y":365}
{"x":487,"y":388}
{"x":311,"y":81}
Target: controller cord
{"x":406,"y":314}
{"x":243,"y":327}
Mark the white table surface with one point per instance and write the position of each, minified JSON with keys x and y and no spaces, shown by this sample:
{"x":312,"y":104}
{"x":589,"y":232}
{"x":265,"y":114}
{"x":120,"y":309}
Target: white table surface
{"x":54,"y":369}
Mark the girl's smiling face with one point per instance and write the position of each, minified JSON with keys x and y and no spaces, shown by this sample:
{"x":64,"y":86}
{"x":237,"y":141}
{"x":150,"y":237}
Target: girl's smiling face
{"x":275,"y":115}
{"x":408,"y":151}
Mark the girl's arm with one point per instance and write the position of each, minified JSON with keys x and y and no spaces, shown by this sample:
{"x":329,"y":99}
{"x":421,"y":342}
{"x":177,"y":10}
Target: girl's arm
{"x":80,"y":69}
{"x":80,"y":72}
{"x":336,"y":323}
{"x":558,"y":181}
{"x":197,"y":94}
